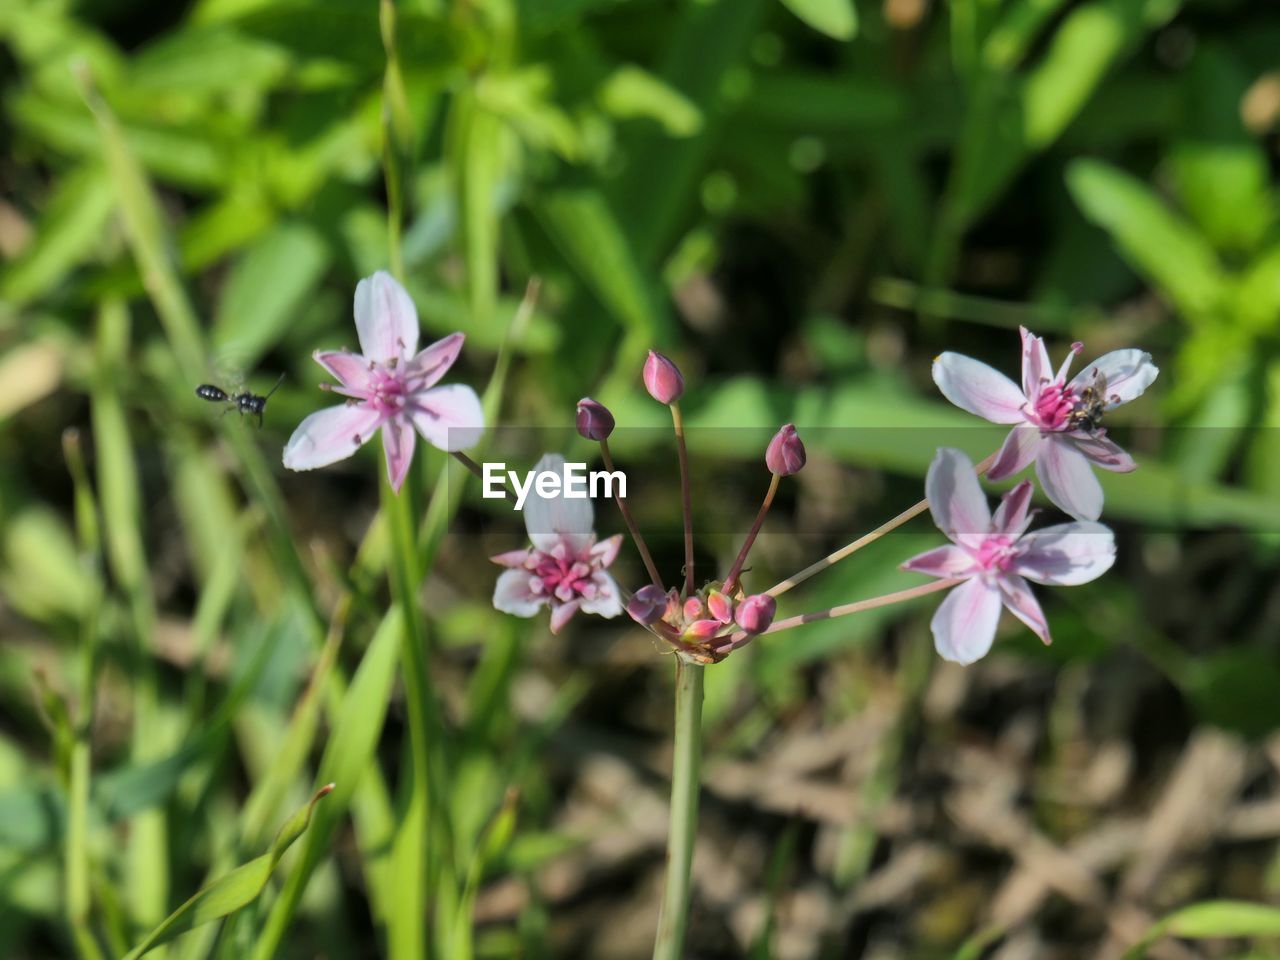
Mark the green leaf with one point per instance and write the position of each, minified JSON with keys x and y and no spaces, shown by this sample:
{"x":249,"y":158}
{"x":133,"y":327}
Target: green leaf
{"x":356,"y":731}
{"x":265,"y":290}
{"x":69,"y":231}
{"x":836,"y":18}
{"x":1211,"y":919}
{"x":633,"y":92}
{"x":234,"y":891}
{"x":589,"y":235}
{"x":1156,"y":242}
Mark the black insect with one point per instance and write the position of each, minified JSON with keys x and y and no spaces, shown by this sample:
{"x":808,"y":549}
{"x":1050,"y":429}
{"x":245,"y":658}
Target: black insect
{"x":1093,"y":401}
{"x":244,"y":401}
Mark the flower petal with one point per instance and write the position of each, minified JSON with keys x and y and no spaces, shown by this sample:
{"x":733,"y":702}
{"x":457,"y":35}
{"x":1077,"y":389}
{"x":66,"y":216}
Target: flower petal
{"x":350,"y":370}
{"x":513,"y":594}
{"x":982,"y":390}
{"x":1021,"y":602}
{"x":1068,"y":480}
{"x":1018,"y":450}
{"x":1103,"y":452}
{"x":516,"y":559}
{"x":449,"y":418}
{"x":965,"y":624}
{"x":561,"y":613}
{"x":946,"y":561}
{"x":1012,"y":516}
{"x":330,"y":435}
{"x":398,"y":441}
{"x":608,"y":599}
{"x":1067,"y":554}
{"x":550,"y":520}
{"x":1035,"y":363}
{"x":431,"y":363}
{"x":606,"y":551}
{"x":386,"y":319}
{"x":958,"y":505}
{"x":1127,"y":374}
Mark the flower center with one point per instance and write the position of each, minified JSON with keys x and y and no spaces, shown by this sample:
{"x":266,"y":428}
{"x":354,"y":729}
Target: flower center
{"x":389,"y":395}
{"x":1054,"y":405}
{"x":996,"y":552}
{"x":562,"y":577}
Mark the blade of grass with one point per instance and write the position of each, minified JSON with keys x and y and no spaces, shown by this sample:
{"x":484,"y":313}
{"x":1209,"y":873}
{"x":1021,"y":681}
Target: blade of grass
{"x":235,"y":890}
{"x":118,"y":484}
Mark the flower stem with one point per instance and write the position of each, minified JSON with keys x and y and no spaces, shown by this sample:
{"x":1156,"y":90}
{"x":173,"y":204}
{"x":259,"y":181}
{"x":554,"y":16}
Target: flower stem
{"x":867,"y":538}
{"x":736,"y":569}
{"x":475,"y":468}
{"x":685,"y":780}
{"x":686,"y":499}
{"x":740,"y":639}
{"x":630,"y":522}
{"x":406,"y":924}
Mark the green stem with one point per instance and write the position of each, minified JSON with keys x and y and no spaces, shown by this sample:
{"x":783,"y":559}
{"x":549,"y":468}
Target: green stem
{"x":686,"y":765}
{"x":406,"y":926}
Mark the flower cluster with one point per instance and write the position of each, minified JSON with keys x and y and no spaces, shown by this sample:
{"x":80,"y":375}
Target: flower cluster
{"x":1058,"y":426}
{"x":564,"y":568}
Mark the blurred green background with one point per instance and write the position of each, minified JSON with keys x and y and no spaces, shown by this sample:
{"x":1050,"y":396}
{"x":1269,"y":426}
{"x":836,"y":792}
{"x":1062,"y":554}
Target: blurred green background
{"x":802,"y":202}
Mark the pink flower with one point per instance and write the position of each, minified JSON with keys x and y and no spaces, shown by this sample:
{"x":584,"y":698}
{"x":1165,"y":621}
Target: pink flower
{"x":390,"y":388}
{"x":996,"y":557}
{"x":1057,"y":421}
{"x":565,"y":567}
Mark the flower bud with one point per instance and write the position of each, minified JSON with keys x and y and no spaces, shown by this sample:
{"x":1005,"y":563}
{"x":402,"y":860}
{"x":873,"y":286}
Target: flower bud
{"x":720,"y":606}
{"x":692,"y":610}
{"x":662,"y":378}
{"x":647,"y":605}
{"x":785,"y":454}
{"x":755,"y":613}
{"x":702,"y":630}
{"x":595,"y":422}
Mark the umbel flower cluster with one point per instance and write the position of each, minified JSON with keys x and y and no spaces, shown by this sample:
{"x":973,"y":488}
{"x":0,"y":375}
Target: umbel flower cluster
{"x":988,"y":565}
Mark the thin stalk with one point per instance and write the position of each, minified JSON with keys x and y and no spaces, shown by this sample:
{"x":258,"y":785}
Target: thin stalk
{"x":409,"y":854}
{"x":77,"y":866}
{"x":686,"y":499}
{"x":630,"y":521}
{"x":476,"y":469}
{"x":866,"y":539}
{"x":396,"y":137}
{"x":686,"y":765}
{"x":739,"y":639}
{"x":736,"y":569}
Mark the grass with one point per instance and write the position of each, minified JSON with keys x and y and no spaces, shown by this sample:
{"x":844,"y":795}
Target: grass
{"x":801,"y":203}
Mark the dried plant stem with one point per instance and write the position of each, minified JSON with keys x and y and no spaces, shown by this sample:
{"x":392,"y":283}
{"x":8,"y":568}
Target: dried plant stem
{"x":736,"y":569}
{"x":630,"y":522}
{"x":868,"y":538}
{"x":686,"y":766}
{"x":686,"y":499}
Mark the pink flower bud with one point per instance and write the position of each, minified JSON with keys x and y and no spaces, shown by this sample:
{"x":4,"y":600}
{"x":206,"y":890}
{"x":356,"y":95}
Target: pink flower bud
{"x":595,"y":422}
{"x":756,"y":613}
{"x":720,"y":606}
{"x":662,"y":378}
{"x":692,"y":609}
{"x":785,"y":454}
{"x":647,"y":605}
{"x":702,"y":629}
